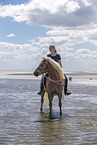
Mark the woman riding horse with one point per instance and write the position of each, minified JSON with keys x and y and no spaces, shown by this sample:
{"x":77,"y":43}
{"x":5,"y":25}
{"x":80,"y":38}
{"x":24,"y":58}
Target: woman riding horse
{"x":54,"y":83}
{"x":56,"y":57}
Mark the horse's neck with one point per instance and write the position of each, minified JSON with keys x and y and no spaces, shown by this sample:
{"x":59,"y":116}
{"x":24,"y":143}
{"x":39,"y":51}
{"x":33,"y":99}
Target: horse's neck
{"x":53,"y":74}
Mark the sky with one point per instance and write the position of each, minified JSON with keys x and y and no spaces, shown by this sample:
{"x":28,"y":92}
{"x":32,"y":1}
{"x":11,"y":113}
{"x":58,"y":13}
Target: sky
{"x":28,"y":27}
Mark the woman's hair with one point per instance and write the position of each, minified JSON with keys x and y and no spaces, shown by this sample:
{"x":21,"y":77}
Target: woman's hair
{"x":52,"y":46}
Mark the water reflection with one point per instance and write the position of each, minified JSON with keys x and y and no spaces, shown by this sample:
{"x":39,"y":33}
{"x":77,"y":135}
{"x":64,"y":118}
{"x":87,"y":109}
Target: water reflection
{"x":52,"y":129}
{"x":45,"y":117}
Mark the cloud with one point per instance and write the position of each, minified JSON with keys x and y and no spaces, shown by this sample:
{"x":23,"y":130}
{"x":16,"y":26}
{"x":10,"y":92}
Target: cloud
{"x":72,"y":36}
{"x":71,"y":6}
{"x":52,"y":13}
{"x":20,"y":56}
{"x":11,"y":35}
{"x":67,"y":23}
{"x":29,"y":55}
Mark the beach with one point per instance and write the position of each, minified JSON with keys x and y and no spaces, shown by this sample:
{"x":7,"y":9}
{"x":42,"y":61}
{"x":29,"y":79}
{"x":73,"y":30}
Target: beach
{"x":28,"y":74}
{"x":21,"y":121}
{"x":16,"y":74}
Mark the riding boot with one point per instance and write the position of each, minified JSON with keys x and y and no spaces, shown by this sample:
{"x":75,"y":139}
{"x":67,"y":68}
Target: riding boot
{"x":66,"y":92}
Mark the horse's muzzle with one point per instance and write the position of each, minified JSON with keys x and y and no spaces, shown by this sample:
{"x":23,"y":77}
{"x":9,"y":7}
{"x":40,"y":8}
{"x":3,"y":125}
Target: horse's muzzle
{"x":36,"y":73}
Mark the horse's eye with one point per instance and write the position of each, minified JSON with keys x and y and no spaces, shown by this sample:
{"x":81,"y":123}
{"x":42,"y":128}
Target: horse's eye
{"x":41,"y":65}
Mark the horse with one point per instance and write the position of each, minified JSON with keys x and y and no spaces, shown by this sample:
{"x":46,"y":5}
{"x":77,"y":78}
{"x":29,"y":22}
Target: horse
{"x":54,"y":83}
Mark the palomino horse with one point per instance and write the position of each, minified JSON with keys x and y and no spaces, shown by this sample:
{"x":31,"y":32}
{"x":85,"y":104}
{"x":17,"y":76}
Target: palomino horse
{"x":54,"y":83}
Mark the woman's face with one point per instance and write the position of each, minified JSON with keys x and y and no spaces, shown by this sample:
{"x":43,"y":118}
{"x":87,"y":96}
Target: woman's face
{"x":52,"y":50}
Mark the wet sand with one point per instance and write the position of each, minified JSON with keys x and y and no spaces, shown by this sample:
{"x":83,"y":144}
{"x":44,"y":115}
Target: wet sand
{"x":28,"y":74}
{"x":17,"y":74}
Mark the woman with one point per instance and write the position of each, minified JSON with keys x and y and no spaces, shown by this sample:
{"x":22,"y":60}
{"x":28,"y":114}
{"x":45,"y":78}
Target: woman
{"x":55,"y":56}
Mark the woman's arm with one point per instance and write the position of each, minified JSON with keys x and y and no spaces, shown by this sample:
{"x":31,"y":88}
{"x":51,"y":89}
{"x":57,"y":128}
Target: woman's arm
{"x":59,"y":61}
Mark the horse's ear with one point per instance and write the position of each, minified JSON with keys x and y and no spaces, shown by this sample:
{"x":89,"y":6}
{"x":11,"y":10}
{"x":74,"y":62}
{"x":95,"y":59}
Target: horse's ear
{"x":43,"y":58}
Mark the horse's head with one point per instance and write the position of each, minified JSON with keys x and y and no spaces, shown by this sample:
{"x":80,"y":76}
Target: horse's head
{"x":42,"y":68}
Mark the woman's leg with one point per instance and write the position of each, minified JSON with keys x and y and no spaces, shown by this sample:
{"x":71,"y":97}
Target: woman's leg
{"x":66,"y":92}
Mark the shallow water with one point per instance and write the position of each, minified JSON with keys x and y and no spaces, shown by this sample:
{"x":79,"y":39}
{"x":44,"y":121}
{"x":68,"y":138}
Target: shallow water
{"x":22,"y":123}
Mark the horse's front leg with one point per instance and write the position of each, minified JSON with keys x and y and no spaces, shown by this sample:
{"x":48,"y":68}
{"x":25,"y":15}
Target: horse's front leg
{"x":42,"y":100}
{"x":60,"y":103}
{"x":50,"y":104}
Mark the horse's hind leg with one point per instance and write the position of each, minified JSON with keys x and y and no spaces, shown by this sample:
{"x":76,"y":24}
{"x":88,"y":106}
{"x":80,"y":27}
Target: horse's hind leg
{"x":60,"y":103}
{"x":42,"y":100}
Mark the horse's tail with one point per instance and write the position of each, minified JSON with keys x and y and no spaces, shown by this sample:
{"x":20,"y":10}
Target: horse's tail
{"x":46,"y":97}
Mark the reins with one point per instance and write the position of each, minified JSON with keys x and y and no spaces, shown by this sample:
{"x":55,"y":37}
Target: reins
{"x":56,"y":82}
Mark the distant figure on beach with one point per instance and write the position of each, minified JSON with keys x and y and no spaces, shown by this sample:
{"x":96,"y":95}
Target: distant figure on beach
{"x":56,"y":57}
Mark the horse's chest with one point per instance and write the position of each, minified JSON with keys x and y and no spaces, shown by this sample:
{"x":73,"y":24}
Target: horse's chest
{"x":54,"y":88}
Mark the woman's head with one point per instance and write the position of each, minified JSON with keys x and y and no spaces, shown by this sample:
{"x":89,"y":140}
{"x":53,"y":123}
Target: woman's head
{"x":52,"y":48}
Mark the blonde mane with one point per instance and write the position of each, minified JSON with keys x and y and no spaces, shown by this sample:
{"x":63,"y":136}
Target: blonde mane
{"x":56,"y":66}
